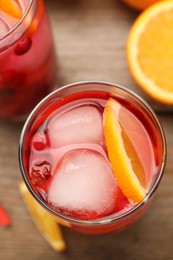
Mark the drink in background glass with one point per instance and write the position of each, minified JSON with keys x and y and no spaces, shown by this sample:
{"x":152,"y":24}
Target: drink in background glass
{"x":65,"y":157}
{"x":27,"y":58}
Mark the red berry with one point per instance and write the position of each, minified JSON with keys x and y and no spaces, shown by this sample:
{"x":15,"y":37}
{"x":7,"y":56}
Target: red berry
{"x":23,"y":46}
{"x":40,"y":172}
{"x":39,"y":141}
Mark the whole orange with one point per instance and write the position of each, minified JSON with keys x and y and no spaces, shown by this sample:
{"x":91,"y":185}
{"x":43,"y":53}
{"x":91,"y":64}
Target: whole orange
{"x":140,"y":4}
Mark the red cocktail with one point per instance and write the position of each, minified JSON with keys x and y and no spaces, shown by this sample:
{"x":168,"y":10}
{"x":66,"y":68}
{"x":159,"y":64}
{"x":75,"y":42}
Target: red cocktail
{"x":27,"y":58}
{"x":93,"y":154}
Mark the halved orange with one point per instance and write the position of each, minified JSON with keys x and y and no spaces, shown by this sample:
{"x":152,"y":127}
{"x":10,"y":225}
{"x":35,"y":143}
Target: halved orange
{"x":150,"y":51}
{"x":11,"y":7}
{"x":140,"y":4}
{"x":122,"y":156}
{"x":46,"y":224}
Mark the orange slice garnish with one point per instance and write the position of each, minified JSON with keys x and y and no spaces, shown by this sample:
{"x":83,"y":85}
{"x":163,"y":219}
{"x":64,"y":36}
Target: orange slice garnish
{"x":46,"y":224}
{"x":11,"y":7}
{"x":149,"y":51}
{"x":122,"y":155}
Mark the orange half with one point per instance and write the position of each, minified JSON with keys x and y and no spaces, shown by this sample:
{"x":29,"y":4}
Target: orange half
{"x":122,"y":156}
{"x":150,"y":51}
{"x":11,"y":7}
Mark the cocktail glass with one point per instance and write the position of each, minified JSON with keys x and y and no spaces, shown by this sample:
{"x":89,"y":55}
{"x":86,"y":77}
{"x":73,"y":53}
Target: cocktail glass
{"x":27,"y":59}
{"x":91,"y":94}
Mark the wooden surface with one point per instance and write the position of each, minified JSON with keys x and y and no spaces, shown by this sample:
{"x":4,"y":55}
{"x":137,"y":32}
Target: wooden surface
{"x":90,"y":38}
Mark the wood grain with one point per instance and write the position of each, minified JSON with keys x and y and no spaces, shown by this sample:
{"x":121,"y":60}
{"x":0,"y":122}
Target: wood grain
{"x":90,"y":38}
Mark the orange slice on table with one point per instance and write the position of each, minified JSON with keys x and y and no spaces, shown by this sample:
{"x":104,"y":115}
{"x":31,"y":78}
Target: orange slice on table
{"x":48,"y":227}
{"x":122,"y":156}
{"x":140,"y":4}
{"x":150,"y":51}
{"x":11,"y":7}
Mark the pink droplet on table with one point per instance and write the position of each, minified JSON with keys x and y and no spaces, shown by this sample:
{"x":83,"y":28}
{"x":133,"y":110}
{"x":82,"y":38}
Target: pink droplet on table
{"x":4,"y":217}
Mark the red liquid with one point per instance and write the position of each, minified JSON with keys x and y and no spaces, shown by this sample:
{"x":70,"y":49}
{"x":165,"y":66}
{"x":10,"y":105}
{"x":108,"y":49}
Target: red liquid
{"x":45,"y":155}
{"x":27,"y":67}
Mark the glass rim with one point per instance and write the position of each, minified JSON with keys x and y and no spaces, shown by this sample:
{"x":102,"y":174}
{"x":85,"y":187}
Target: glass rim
{"x":19,"y":22}
{"x":101,"y":221}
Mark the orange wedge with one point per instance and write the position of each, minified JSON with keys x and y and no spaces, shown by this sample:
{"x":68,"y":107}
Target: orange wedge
{"x":150,"y":52}
{"x":43,"y":220}
{"x":11,"y":7}
{"x":121,"y":155}
{"x":140,"y":4}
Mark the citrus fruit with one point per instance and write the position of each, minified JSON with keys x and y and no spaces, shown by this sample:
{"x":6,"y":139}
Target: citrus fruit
{"x":121,"y":154}
{"x":48,"y":227}
{"x":150,"y":52}
{"x":11,"y":7}
{"x":140,"y":5}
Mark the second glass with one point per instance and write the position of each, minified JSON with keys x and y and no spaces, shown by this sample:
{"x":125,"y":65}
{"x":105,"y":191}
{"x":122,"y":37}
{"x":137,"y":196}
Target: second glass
{"x":27,"y":58}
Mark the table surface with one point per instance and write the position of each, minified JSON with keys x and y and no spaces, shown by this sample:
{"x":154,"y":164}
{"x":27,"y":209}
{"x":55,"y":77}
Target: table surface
{"x":90,"y":38}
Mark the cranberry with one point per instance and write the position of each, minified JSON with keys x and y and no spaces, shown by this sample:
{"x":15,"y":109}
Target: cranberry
{"x":23,"y":46}
{"x":40,"y":172}
{"x":39,"y":141}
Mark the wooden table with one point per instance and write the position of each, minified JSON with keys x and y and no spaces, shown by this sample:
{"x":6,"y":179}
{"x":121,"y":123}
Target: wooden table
{"x":90,"y":38}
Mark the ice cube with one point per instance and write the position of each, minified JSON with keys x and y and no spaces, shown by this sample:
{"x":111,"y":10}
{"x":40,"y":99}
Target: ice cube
{"x":4,"y":28}
{"x":79,"y":125}
{"x":83,"y":185}
{"x":58,"y":153}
